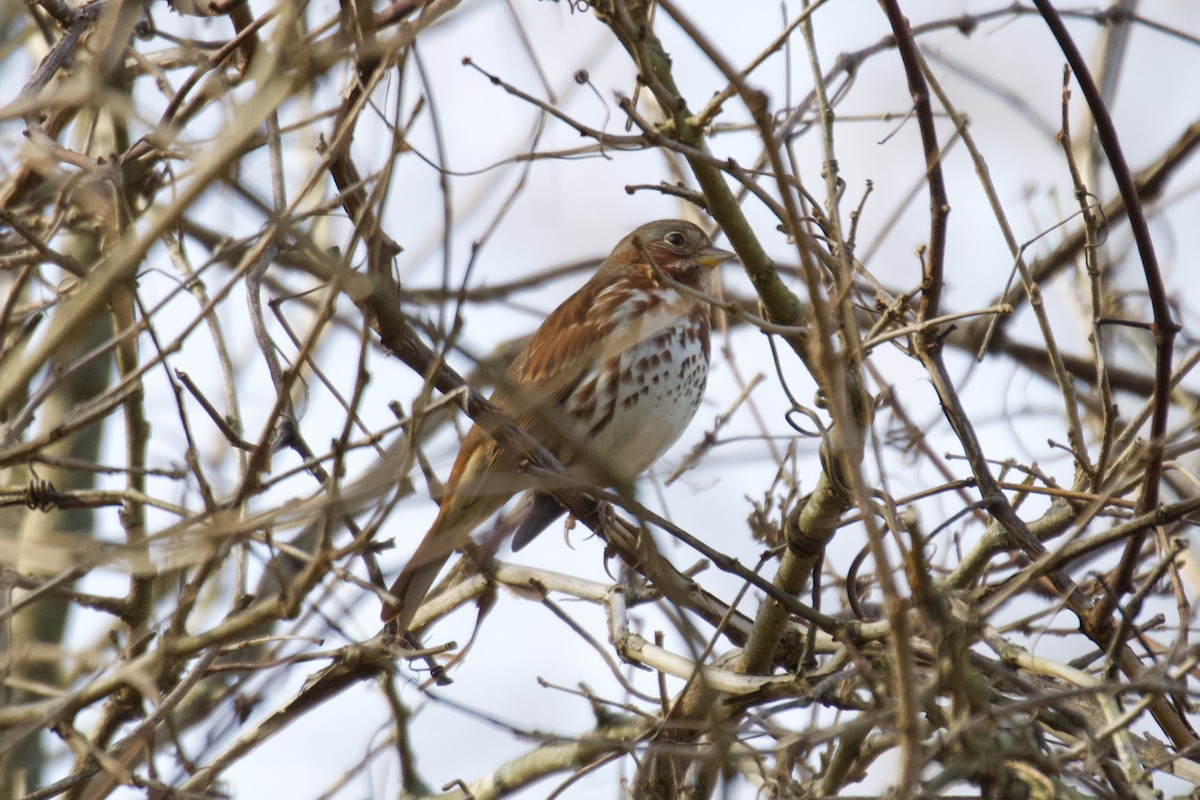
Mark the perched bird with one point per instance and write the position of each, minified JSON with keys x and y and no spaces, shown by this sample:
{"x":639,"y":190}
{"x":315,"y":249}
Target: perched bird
{"x":607,"y":383}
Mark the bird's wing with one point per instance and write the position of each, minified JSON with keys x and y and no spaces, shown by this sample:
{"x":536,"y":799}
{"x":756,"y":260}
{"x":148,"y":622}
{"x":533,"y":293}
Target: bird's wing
{"x":599,"y":322}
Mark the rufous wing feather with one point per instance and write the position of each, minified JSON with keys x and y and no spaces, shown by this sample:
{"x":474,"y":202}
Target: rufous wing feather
{"x":625,"y":305}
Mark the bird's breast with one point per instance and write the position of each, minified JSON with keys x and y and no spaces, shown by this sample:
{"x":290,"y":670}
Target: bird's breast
{"x":634,"y":405}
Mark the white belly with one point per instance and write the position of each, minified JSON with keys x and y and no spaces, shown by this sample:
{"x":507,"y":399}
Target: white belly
{"x":634,"y":419}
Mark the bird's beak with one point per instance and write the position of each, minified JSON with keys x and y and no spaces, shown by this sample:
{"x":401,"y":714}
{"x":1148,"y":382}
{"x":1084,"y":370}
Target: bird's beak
{"x":713,"y":257}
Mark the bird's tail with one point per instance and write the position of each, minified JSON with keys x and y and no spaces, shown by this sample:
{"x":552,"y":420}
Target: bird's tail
{"x":410,"y":588}
{"x":473,"y":493}
{"x":451,"y":530}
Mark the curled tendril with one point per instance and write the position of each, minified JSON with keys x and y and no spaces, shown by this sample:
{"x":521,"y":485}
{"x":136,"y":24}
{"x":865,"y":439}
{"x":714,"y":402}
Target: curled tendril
{"x":41,"y":495}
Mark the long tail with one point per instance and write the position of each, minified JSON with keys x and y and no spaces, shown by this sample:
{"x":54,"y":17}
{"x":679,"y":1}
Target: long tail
{"x":410,"y":588}
{"x":450,"y":530}
{"x":473,"y":493}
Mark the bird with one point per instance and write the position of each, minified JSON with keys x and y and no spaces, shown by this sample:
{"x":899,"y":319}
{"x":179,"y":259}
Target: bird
{"x":607,"y":383}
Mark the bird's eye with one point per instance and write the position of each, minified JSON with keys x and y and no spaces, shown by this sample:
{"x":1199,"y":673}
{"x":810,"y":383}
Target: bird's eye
{"x":675,"y":239}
